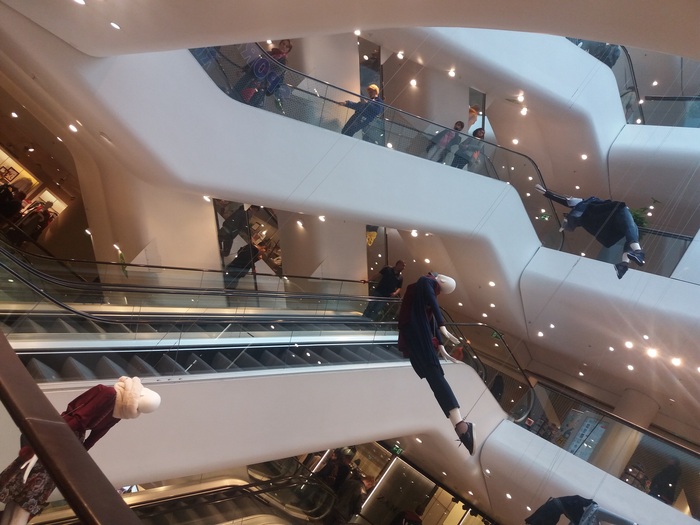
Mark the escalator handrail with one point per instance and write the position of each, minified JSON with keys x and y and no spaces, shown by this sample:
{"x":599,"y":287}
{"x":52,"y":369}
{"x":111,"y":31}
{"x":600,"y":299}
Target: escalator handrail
{"x":397,"y":110}
{"x":126,"y":287}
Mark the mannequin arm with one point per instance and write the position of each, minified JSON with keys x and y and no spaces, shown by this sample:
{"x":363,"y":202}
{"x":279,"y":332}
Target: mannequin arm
{"x":447,"y":356}
{"x":448,"y":335}
{"x":29,"y":465}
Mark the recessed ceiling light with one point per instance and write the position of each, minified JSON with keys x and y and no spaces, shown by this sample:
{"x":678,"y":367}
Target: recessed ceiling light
{"x":611,"y":349}
{"x":523,"y":111}
{"x":389,"y":145}
{"x":540,"y":334}
{"x":521,"y":97}
{"x":584,"y":156}
{"x":414,"y":233}
{"x":487,"y":471}
{"x":114,"y":25}
{"x":676,"y":361}
{"x":655,"y":83}
{"x":444,"y":473}
{"x":81,"y":2}
{"x":269,"y":42}
{"x":300,"y":224}
{"x":419,"y":440}
{"x":451,"y":73}
{"x":652,"y":352}
{"x":581,"y":374}
{"x":206,"y":198}
{"x":72,"y":128}
{"x":630,"y":367}
{"x":460,"y":304}
{"x":583,"y":254}
{"x":641,"y":101}
{"x":629,"y":344}
{"x":322,"y":218}
{"x":413,"y":82}
{"x":365,"y":57}
{"x":577,"y":187}
{"x":645,"y":337}
{"x":492,"y":305}
{"x":399,"y":55}
{"x":14,"y":115}
{"x":509,"y":496}
{"x":484,"y":314}
{"x":515,"y":141}
{"x":358,"y":32}
{"x":638,"y":121}
{"x":427,"y":261}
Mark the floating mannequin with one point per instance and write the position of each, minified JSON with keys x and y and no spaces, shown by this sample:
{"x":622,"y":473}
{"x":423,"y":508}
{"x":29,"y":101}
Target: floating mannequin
{"x":25,"y":485}
{"x":578,"y":510}
{"x":421,"y":329}
{"x":608,"y":221}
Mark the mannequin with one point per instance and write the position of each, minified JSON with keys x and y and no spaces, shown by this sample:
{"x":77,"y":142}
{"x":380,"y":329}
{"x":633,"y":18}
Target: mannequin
{"x":25,"y":484}
{"x":421,"y":332}
{"x":608,"y":221}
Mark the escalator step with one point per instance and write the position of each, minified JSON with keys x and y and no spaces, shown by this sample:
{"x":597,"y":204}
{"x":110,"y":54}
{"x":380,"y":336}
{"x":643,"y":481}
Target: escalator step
{"x":331,"y":356}
{"x":108,"y":369}
{"x":139,"y":367}
{"x":270,"y":360}
{"x":221,"y":363}
{"x":74,"y":369}
{"x":196,"y":365}
{"x":167,"y":366}
{"x":60,"y":326}
{"x":246,"y":362}
{"x":347,"y":354}
{"x":27,"y":325}
{"x":42,"y":372}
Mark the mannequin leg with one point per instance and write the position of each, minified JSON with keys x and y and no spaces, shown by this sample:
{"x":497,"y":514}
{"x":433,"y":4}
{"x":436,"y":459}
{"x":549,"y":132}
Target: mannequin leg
{"x":14,"y":515}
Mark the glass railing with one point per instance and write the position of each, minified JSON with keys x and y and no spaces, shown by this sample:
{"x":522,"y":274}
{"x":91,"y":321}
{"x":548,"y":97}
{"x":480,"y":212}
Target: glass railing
{"x":679,"y":111}
{"x":617,"y":58}
{"x":237,"y":69}
{"x":633,"y":454}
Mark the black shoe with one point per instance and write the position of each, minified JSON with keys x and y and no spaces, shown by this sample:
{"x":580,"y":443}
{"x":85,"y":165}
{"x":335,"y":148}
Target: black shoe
{"x":467,"y":438}
{"x":637,"y":256}
{"x":621,"y":269}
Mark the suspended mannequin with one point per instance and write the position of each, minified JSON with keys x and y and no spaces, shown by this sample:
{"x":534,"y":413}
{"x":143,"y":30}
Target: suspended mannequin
{"x":421,"y":329}
{"x":25,"y":485}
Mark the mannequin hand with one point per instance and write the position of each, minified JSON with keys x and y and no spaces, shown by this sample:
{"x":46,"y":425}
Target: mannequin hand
{"x":447,"y":356}
{"x":29,"y":465}
{"x":448,"y":335}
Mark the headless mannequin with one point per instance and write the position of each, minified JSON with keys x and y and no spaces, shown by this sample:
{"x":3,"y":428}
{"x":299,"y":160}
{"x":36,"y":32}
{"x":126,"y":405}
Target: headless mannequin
{"x":96,"y":410}
{"x":618,"y":223}
{"x":421,"y":327}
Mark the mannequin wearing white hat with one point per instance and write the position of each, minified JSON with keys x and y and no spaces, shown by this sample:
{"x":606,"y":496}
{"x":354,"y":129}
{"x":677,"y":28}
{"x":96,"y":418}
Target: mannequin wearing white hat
{"x":421,"y":329}
{"x":25,"y":484}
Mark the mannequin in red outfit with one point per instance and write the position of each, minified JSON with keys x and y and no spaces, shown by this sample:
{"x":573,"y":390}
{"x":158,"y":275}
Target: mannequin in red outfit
{"x":25,"y":485}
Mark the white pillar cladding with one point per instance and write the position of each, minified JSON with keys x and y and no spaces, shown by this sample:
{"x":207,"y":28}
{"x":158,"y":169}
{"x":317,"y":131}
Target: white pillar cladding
{"x":330,"y":249}
{"x":331,"y":58}
{"x":620,"y":441}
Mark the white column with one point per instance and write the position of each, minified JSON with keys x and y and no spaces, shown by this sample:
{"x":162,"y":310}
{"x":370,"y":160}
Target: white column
{"x":620,"y":441}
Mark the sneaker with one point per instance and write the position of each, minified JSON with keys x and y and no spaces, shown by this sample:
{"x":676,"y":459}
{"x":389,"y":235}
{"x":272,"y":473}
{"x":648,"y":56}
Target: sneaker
{"x":467,"y":438}
{"x":621,"y":269}
{"x":637,"y":256}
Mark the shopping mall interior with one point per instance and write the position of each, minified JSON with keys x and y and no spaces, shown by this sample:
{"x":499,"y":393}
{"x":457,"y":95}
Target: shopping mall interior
{"x":156,"y":144}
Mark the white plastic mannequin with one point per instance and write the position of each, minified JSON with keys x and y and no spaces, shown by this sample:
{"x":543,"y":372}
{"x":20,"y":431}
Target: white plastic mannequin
{"x":131,"y":400}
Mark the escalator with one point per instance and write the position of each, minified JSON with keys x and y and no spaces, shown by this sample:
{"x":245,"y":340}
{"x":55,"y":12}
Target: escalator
{"x":220,"y":500}
{"x":86,"y":341}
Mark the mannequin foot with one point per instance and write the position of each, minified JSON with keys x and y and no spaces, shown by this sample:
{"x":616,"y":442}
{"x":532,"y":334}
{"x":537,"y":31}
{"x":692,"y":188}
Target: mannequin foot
{"x":465,"y":432}
{"x":540,"y":188}
{"x":621,"y":269}
{"x":637,"y":256}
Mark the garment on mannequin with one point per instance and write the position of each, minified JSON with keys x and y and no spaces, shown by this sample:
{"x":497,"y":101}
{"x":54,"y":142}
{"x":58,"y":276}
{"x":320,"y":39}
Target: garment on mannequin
{"x":607,"y":220}
{"x":25,"y":485}
{"x":421,"y":332}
